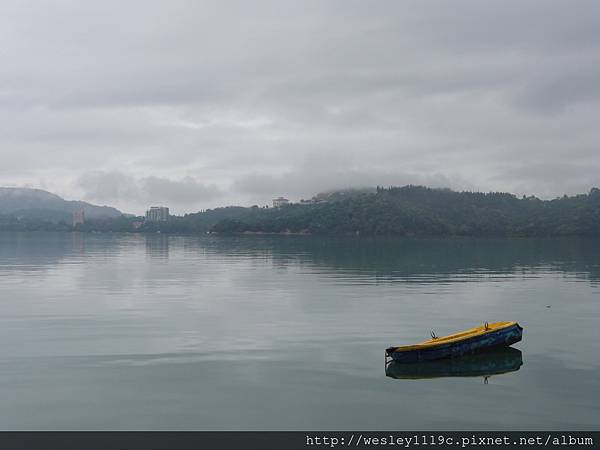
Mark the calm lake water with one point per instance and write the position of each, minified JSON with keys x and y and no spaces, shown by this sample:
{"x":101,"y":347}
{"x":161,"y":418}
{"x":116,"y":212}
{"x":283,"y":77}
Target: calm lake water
{"x":110,"y":331}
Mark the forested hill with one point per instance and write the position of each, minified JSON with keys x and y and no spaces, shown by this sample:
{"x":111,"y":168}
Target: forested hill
{"x":401,"y":211}
{"x":39,"y":205}
{"x":417,"y":210}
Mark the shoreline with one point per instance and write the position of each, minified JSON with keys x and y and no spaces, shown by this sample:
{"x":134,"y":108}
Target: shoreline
{"x":303,"y":234}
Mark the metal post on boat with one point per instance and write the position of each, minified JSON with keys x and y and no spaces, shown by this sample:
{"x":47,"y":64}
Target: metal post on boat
{"x":388,"y":359}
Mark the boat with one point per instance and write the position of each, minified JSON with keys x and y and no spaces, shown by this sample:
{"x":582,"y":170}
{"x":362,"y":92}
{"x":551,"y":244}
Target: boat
{"x":487,"y":336}
{"x":482,"y":364}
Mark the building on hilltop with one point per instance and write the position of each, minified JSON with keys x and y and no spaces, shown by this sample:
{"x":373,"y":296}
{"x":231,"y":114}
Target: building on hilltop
{"x":157,"y":214}
{"x":319,"y":198}
{"x":280,"y":201}
{"x":78,"y":217}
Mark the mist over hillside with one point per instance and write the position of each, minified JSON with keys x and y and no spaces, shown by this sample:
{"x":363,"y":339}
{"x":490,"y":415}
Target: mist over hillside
{"x":43,"y":205}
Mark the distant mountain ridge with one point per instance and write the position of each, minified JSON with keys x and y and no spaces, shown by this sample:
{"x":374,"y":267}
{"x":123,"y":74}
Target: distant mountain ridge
{"x":40,"y":204}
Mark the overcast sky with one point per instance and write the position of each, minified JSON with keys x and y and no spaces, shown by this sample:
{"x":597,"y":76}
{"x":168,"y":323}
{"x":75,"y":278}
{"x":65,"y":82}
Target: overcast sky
{"x":198,"y":104}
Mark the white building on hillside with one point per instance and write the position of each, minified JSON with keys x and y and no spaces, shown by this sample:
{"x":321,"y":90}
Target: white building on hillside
{"x":280,"y":201}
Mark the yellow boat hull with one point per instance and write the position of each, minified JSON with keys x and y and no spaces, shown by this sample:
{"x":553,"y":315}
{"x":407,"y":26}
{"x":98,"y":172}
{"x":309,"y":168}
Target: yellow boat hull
{"x":493,"y":335}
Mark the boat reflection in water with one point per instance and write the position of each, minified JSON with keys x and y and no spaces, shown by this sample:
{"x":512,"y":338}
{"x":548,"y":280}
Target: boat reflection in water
{"x":483,"y":364}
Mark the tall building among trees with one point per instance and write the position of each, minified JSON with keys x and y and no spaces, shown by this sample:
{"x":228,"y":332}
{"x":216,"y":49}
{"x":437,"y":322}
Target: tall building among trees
{"x":157,"y":214}
{"x":78,"y":217}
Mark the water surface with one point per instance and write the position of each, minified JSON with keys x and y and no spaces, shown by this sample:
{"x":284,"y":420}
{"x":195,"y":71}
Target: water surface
{"x":111,"y":331}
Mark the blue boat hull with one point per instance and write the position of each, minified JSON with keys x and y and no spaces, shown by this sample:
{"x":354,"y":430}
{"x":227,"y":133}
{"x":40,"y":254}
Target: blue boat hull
{"x":496,"y":361}
{"x":499,"y":338}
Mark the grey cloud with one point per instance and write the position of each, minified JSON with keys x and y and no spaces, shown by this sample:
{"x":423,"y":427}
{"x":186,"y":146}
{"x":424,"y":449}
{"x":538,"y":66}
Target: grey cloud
{"x":540,"y":178}
{"x":186,"y":191}
{"x":129,"y":192}
{"x":201,"y":103}
{"x":108,"y":187}
{"x":554,"y":93}
{"x":304,"y":184}
{"x":321,"y":173}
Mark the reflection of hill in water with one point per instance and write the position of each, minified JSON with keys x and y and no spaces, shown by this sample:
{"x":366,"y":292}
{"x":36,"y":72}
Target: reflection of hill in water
{"x":38,"y":250}
{"x":420,"y":258}
{"x":35,"y":251}
{"x":379,"y":259}
{"x":480,"y":364}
